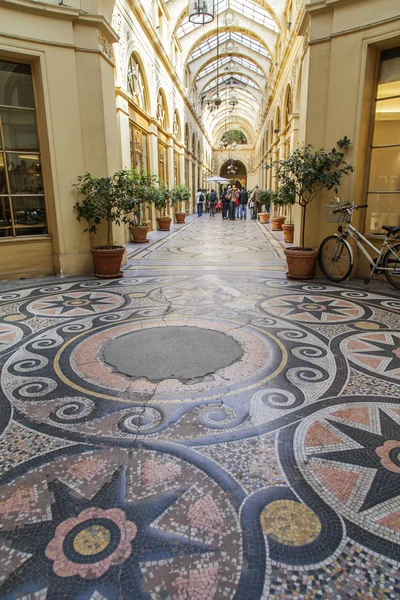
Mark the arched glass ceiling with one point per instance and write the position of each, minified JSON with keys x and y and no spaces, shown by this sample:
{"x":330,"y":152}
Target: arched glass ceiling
{"x":240,"y":38}
{"x":247,"y":8}
{"x":227,"y":80}
{"x":225,"y":60}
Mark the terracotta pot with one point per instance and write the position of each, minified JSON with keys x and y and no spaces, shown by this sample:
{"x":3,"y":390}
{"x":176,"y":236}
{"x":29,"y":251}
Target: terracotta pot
{"x":277,"y":223}
{"x":263,"y":217}
{"x":164,"y":223}
{"x":139,"y":234}
{"x":107,"y":261}
{"x":301,"y":263}
{"x":288,"y":231}
{"x":180,"y":217}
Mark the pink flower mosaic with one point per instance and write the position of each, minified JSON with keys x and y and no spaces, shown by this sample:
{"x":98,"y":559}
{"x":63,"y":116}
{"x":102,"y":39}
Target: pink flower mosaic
{"x":89,"y":541}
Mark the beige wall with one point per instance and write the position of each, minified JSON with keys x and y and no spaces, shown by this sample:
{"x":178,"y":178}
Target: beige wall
{"x":344,"y":38}
{"x":73,"y":76}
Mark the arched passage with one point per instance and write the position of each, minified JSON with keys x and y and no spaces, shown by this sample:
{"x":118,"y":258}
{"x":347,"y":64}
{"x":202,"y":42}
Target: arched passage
{"x":239,"y":178}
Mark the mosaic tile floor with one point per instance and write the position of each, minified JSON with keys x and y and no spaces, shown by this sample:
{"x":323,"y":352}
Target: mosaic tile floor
{"x":274,"y":477}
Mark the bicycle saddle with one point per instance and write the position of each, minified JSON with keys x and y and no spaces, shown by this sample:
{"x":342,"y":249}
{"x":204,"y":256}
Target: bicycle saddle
{"x":391,"y":229}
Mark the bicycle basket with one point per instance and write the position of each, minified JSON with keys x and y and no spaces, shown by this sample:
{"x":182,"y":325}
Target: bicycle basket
{"x":340,"y":217}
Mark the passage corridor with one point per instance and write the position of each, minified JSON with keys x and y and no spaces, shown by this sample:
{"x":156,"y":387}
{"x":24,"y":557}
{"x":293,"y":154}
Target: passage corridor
{"x":201,"y":429}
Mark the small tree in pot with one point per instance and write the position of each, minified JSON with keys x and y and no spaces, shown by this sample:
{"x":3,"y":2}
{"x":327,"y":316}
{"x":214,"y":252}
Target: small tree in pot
{"x":265,"y":199}
{"x":286,"y":196}
{"x":309,"y":171}
{"x":104,"y":199}
{"x":180,"y":195}
{"x":143,"y":190}
{"x":162,"y":202}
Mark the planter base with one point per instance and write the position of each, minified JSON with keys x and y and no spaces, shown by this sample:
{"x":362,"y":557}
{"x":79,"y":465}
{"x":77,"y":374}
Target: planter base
{"x":164,"y":223}
{"x":277,"y":223}
{"x":120,"y":274}
{"x":301,"y":263}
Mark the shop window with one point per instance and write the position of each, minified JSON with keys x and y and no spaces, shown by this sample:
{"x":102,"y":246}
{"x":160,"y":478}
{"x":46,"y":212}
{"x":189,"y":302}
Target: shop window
{"x":187,"y":172}
{"x":22,"y":200}
{"x":177,"y":177}
{"x":162,"y":163}
{"x":384,"y":175}
{"x":139,"y":149}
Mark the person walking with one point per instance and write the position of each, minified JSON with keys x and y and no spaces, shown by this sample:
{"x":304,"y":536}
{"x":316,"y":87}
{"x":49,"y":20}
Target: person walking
{"x":212,"y":200}
{"x":255,"y":202}
{"x":226,"y":199}
{"x":243,"y":199}
{"x":200,"y":202}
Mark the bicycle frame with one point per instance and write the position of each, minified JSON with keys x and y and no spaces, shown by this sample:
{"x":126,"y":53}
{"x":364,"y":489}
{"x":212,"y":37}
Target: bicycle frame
{"x":356,"y":236}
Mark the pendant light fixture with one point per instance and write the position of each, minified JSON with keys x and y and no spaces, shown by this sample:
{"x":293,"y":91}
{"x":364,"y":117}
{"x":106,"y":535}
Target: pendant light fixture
{"x":217,"y":99}
{"x":201,"y":12}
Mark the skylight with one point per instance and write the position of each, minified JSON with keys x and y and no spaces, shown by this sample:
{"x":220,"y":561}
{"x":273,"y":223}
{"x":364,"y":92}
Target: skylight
{"x":224,"y":61}
{"x":247,"y":8}
{"x":241,"y":38}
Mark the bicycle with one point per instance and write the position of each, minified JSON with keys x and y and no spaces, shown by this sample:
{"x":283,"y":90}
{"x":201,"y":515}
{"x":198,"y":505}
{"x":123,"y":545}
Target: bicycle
{"x":335,"y":255}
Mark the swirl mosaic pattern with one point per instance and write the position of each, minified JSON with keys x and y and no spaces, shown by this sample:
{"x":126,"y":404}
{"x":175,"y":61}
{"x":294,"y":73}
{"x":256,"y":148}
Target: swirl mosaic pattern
{"x":276,"y":476}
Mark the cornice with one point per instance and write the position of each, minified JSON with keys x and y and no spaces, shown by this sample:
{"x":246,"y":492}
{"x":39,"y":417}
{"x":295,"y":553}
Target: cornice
{"x":62,"y":12}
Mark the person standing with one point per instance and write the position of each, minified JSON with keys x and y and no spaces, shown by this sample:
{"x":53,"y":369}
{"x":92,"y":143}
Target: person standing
{"x":243,"y":199}
{"x":232,"y":204}
{"x":226,"y":199}
{"x":255,"y":202}
{"x":237,"y":209}
{"x":212,"y":200}
{"x":200,"y":202}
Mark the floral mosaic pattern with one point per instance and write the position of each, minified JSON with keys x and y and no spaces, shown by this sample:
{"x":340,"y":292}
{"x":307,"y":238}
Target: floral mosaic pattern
{"x":276,"y":477}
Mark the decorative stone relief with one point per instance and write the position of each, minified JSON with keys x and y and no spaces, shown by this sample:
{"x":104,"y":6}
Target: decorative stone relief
{"x":105,"y":46}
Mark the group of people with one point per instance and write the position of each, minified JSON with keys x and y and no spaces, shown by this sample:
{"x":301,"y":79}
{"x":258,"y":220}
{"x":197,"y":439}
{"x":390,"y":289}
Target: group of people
{"x":234,"y":202}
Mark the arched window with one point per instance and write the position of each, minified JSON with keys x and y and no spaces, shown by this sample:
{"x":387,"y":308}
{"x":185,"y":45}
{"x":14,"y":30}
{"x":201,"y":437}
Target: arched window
{"x":162,"y":111}
{"x":194,"y":144}
{"x":199,"y":150}
{"x":288,"y":104}
{"x":136,"y":82}
{"x":177,"y":126}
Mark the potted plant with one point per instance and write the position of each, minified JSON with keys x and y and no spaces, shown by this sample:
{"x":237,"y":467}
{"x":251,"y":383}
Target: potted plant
{"x":104,"y":200}
{"x":162,"y":201}
{"x":265,"y":199}
{"x":180,"y":195}
{"x":143,"y":190}
{"x":278,"y":220}
{"x":287,"y":197}
{"x":309,"y":171}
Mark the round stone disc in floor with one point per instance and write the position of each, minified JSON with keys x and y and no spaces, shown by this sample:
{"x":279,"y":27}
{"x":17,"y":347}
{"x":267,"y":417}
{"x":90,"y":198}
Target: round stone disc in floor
{"x":182,"y":353}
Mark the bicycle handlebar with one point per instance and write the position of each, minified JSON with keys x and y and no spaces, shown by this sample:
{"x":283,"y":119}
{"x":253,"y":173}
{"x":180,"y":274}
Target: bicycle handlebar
{"x":349,"y":207}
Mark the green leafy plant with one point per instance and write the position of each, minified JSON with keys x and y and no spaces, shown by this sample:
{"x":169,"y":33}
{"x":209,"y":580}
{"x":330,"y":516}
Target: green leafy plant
{"x":266,"y":197}
{"x":286,"y":196}
{"x":104,"y":199}
{"x":142,"y":187}
{"x":180,"y":193}
{"x":163,"y":199}
{"x":308,"y":171}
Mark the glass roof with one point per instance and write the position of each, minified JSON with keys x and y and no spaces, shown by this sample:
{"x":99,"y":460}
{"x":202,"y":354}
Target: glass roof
{"x":224,"y":79}
{"x":241,"y":38}
{"x":225,"y":60}
{"x":248,"y":8}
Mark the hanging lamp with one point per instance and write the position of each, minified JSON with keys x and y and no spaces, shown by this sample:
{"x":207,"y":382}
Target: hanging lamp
{"x":201,"y":12}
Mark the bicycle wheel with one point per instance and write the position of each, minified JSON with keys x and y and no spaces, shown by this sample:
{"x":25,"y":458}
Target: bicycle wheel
{"x":392,"y":260}
{"x":335,"y":258}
